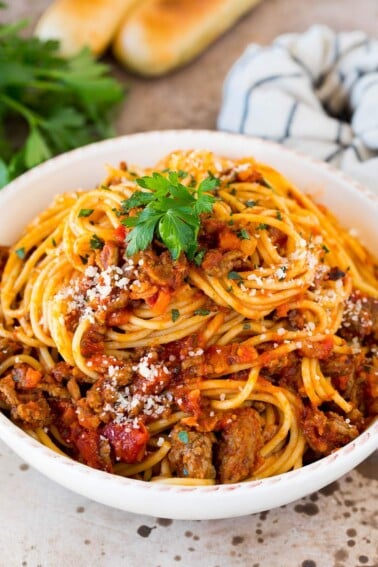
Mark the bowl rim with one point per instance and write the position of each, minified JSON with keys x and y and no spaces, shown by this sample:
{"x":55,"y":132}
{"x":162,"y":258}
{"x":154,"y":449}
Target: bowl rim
{"x":38,"y":455}
{"x":60,"y":159}
{"x":85,"y":481}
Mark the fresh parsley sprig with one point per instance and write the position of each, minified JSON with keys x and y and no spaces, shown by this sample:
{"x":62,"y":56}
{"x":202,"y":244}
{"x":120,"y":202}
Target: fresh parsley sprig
{"x":171,"y":212}
{"x":48,"y":104}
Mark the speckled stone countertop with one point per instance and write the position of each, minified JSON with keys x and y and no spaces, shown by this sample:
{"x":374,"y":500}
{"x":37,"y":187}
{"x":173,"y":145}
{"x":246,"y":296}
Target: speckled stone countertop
{"x":45,"y":525}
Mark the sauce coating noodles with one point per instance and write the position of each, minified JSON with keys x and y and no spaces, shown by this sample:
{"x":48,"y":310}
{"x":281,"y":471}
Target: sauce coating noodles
{"x":250,"y":358}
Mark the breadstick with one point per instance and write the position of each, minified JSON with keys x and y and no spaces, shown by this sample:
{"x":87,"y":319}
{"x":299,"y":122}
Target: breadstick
{"x":77,"y":23}
{"x":160,"y":35}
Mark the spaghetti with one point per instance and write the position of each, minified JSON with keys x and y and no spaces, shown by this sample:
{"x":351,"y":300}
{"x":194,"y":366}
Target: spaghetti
{"x":251,"y":358}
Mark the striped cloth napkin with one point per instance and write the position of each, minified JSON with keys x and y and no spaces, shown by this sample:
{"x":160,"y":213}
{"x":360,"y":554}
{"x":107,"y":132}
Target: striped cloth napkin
{"x":316,"y":92}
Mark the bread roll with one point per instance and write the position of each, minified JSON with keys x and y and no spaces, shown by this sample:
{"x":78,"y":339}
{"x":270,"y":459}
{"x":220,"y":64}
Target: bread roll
{"x":77,"y":23}
{"x":160,"y":35}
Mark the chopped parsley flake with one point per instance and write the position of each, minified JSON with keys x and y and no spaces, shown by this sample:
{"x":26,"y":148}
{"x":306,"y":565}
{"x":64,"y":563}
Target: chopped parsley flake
{"x":266,"y":183}
{"x":96,"y":243}
{"x":198,"y":257}
{"x":183,"y":436}
{"x":85,"y":212}
{"x":234,"y":276}
{"x":202,"y":312}
{"x":175,"y":314}
{"x":20,"y":252}
{"x":243,"y":234}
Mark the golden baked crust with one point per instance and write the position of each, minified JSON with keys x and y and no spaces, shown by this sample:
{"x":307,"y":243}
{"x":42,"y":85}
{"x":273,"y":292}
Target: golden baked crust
{"x":160,"y":35}
{"x":77,"y":23}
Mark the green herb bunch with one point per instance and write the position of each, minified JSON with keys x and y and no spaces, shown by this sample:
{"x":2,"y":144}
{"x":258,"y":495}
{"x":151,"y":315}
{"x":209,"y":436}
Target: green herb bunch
{"x":171,"y":212}
{"x":48,"y":104}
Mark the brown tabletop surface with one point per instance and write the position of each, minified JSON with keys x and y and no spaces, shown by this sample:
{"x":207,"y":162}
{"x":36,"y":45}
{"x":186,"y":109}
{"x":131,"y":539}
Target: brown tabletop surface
{"x":45,"y":525}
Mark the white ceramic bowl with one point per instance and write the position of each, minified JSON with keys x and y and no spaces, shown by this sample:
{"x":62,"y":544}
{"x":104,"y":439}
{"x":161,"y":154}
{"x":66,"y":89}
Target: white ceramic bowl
{"x":24,"y":198}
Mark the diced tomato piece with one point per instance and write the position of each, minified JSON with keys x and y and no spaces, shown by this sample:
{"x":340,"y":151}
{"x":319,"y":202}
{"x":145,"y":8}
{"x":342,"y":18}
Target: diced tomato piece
{"x":282,"y":310}
{"x":120,"y":234}
{"x":162,"y":301}
{"x":88,"y":444}
{"x":188,"y":401}
{"x":128,"y":440}
{"x":151,"y":300}
{"x":341,"y":382}
{"x":220,"y":358}
{"x":69,"y":416}
{"x":248,"y":246}
{"x":118,"y":318}
{"x":246,"y":353}
{"x":228,"y":240}
{"x":32,"y":378}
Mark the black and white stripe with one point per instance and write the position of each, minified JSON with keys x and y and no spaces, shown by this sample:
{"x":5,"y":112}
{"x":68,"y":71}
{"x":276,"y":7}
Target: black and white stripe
{"x":316,"y":91}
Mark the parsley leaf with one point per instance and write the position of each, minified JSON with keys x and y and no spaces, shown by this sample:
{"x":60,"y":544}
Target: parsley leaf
{"x":85,"y":212}
{"x":198,"y":257}
{"x":265,"y":183}
{"x":4,"y":174}
{"x":243,"y":234}
{"x":171,"y":213}
{"x":141,"y":236}
{"x":96,"y":243}
{"x":20,"y":252}
{"x":137,"y":199}
{"x":234,"y":276}
{"x":202,"y":312}
{"x":174,"y":232}
{"x":36,"y":148}
{"x":175,"y":314}
{"x":55,"y":103}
